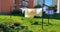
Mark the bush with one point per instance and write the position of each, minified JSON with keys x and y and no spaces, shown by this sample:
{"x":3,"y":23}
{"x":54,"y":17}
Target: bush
{"x":23,"y":14}
{"x":37,"y":6}
{"x":15,"y":12}
{"x":54,"y":8}
{"x":20,"y":12}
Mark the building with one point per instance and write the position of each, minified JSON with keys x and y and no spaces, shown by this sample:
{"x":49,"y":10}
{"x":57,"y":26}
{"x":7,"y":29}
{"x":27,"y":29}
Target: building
{"x":7,"y":6}
{"x":36,"y":2}
{"x":54,"y":2}
{"x":58,"y":6}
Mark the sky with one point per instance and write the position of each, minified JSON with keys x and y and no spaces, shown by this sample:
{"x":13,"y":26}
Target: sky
{"x":47,"y":2}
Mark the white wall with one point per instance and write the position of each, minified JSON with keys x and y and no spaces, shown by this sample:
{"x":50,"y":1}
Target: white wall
{"x":58,"y":6}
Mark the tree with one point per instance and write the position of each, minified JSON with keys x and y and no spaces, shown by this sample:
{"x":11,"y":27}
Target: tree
{"x":54,"y":8}
{"x":37,"y":6}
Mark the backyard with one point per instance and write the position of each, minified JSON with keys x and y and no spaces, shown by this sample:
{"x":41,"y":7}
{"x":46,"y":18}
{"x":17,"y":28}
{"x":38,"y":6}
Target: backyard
{"x":17,"y":23}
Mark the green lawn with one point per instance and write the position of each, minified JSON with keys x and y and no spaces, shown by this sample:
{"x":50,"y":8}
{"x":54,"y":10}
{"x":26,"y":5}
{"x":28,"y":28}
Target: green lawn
{"x":54,"y":25}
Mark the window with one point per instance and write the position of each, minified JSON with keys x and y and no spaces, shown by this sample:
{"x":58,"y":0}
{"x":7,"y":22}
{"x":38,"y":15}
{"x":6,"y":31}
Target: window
{"x":23,"y":0}
{"x":27,"y":0}
{"x":24,"y":3}
{"x":15,"y":1}
{"x":14,"y":7}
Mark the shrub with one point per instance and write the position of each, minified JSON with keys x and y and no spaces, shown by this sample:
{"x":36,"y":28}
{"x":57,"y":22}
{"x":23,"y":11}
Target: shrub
{"x":15,"y":12}
{"x":54,"y":8}
{"x":37,"y":6}
{"x":20,"y":12}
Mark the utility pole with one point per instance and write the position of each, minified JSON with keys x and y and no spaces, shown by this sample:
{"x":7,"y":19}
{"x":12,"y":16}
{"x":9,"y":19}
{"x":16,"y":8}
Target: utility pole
{"x":10,"y":7}
{"x":43,"y":13}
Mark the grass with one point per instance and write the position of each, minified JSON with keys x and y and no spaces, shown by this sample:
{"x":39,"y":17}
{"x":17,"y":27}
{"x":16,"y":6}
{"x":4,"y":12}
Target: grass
{"x":54,"y":25}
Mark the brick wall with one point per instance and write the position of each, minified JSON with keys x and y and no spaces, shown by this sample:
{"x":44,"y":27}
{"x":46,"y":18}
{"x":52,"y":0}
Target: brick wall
{"x":6,"y":6}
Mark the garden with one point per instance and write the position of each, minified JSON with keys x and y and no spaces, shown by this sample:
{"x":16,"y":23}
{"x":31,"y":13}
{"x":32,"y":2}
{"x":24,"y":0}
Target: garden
{"x":17,"y":23}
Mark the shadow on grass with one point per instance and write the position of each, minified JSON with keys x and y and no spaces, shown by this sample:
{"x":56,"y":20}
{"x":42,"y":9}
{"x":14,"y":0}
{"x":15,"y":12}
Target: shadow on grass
{"x":12,"y":15}
{"x":55,"y":16}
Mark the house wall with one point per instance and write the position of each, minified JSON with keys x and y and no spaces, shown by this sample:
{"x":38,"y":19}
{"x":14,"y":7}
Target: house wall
{"x":0,"y":6}
{"x":17,"y":4}
{"x":58,"y":6}
{"x":54,"y":2}
{"x":31,"y":3}
{"x":6,"y":6}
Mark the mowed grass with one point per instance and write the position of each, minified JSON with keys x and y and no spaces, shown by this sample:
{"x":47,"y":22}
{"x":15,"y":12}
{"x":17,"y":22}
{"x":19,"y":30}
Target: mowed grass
{"x":53,"y":26}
